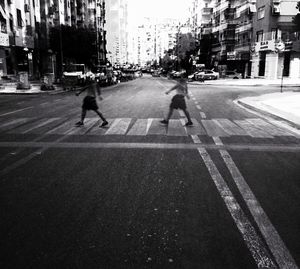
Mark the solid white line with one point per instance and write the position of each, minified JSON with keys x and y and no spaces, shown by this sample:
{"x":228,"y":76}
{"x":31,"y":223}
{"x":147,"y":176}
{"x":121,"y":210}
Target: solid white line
{"x":196,"y":139}
{"x":199,"y":107}
{"x":271,"y":236}
{"x":15,"y":111}
{"x":252,"y":239}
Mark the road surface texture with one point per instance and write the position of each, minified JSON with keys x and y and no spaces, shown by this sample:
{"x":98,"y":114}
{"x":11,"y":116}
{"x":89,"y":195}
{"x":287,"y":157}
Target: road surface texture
{"x":224,"y":193}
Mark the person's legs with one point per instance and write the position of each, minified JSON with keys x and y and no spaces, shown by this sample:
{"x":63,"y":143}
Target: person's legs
{"x":105,"y":122}
{"x":187,"y":114}
{"x":83,"y":113}
{"x":166,"y":121}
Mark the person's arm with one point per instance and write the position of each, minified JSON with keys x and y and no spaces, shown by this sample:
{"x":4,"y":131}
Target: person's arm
{"x":172,"y":89}
{"x":98,"y":90}
{"x":81,"y":90}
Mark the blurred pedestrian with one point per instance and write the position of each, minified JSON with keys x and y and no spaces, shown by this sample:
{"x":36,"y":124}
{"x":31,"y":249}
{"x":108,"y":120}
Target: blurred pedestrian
{"x":89,"y":102}
{"x":178,"y":101}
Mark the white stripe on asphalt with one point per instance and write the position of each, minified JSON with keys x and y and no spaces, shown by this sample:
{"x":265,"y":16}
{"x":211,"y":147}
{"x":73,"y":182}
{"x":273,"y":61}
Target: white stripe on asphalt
{"x":15,"y":111}
{"x":196,"y":139}
{"x":119,"y":126}
{"x":271,"y":236}
{"x":203,"y":115}
{"x":199,"y":107}
{"x":181,"y":113}
{"x":40,"y":125}
{"x":217,"y":140}
{"x":252,"y":239}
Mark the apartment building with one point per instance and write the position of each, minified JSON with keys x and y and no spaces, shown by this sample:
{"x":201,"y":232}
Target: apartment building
{"x":276,"y":47}
{"x":25,"y":28}
{"x":17,"y":49}
{"x":256,"y":38}
{"x":117,"y":31}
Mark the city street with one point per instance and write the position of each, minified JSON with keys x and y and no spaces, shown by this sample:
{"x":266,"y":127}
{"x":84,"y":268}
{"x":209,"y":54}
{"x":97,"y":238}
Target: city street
{"x":224,"y":193}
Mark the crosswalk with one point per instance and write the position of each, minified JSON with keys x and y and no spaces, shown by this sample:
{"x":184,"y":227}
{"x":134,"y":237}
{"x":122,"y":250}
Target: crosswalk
{"x":219,"y":127}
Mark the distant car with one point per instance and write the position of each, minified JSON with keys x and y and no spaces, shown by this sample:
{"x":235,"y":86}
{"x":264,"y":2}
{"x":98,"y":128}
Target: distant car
{"x":233,"y":74}
{"x":179,"y":74}
{"x":206,"y":75}
{"x":155,"y":73}
{"x":192,"y":77}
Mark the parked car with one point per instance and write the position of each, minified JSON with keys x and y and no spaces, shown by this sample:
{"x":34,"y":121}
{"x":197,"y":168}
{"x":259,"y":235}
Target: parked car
{"x":155,"y":73}
{"x":192,"y":77}
{"x":233,"y":74}
{"x":207,"y":75}
{"x":76,"y":72}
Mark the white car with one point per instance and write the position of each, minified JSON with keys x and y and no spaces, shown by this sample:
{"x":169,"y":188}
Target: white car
{"x":206,"y":75}
{"x":233,"y":74}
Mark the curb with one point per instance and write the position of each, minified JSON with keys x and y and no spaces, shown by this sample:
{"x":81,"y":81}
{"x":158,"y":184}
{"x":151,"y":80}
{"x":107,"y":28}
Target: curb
{"x":261,"y":111}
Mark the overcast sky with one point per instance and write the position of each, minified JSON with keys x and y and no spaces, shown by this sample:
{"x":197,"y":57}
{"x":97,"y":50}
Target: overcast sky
{"x":157,"y":9}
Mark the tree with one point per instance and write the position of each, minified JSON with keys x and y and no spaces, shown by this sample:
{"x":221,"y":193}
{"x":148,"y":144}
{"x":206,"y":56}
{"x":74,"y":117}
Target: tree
{"x":296,"y":19}
{"x":78,"y":44}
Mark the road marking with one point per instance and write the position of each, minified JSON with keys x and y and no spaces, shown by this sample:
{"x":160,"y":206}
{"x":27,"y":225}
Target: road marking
{"x":175,"y":128}
{"x":16,"y":111}
{"x":13,"y":123}
{"x":181,"y":113}
{"x":252,"y":130}
{"x":230,"y":127}
{"x":140,"y":127}
{"x":271,"y":129}
{"x":196,"y":139}
{"x":40,"y":125}
{"x":199,"y":107}
{"x":234,"y":147}
{"x":253,"y":241}
{"x":213,"y":129}
{"x":195,"y":129}
{"x":270,"y":234}
{"x":217,"y":140}
{"x":283,"y":125}
{"x":119,"y":126}
{"x":203,"y":115}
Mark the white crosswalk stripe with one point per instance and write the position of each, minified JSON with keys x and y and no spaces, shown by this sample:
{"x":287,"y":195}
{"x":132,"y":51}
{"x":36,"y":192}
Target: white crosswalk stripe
{"x":220,"y":127}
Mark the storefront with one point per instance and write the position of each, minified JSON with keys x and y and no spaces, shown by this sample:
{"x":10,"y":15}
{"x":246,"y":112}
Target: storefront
{"x":4,"y":47}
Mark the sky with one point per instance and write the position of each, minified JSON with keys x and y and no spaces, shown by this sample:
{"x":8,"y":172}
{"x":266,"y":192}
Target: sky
{"x":157,"y":9}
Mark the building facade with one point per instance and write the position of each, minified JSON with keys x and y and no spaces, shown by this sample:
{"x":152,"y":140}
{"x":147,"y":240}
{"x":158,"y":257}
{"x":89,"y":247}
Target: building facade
{"x":256,"y":38}
{"x":25,"y":29}
{"x":117,"y":31}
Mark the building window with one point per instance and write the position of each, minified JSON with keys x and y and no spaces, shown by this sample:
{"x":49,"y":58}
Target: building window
{"x":274,"y":34}
{"x":261,"y":13}
{"x":19,"y":18}
{"x":3,"y":24}
{"x":260,"y":36}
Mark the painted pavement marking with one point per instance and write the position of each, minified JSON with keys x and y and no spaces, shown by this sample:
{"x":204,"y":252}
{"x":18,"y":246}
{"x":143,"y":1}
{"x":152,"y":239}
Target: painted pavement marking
{"x":253,"y":241}
{"x":252,"y":130}
{"x":156,"y":128}
{"x":13,"y":123}
{"x":16,"y":111}
{"x":119,"y":126}
{"x":196,"y":139}
{"x":140,"y":127}
{"x":271,"y":129}
{"x":213,"y":129}
{"x":175,"y":128}
{"x":270,"y":234}
{"x":230,"y":127}
{"x":203,"y":115}
{"x":181,"y":113}
{"x":195,"y":129}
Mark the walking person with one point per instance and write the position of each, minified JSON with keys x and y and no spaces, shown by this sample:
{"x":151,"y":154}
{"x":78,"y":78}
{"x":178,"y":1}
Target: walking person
{"x":178,"y":101}
{"x":89,"y":102}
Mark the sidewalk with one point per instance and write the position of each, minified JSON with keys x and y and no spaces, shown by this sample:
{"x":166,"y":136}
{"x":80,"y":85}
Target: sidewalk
{"x":285,"y":106}
{"x":291,"y":82}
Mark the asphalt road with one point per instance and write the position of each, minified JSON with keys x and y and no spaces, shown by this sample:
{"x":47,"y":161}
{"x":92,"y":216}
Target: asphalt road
{"x":222,"y":194}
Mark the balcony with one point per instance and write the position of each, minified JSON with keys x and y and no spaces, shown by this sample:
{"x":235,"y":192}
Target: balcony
{"x":243,"y":27}
{"x":207,"y":11}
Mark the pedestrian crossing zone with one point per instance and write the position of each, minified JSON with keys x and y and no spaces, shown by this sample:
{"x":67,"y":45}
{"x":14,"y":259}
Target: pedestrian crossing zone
{"x":219,"y":127}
